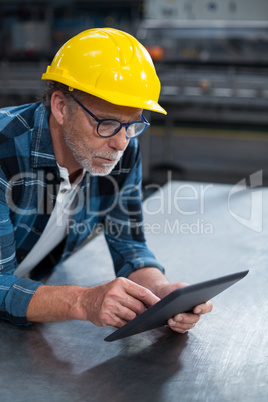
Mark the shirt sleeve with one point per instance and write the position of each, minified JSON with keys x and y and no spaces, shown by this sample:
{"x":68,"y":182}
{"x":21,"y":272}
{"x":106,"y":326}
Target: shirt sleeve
{"x":124,"y":230}
{"x":15,"y":292}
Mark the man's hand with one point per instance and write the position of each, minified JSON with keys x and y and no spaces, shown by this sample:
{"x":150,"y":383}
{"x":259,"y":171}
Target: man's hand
{"x":115,"y":303}
{"x":183,"y":322}
{"x":153,"y":279}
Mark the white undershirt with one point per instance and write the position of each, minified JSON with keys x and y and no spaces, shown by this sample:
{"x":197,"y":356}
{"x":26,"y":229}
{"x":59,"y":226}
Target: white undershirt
{"x":56,"y":228}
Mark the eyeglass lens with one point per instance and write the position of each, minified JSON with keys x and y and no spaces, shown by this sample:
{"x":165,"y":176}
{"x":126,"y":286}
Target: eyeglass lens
{"x":107,"y":128}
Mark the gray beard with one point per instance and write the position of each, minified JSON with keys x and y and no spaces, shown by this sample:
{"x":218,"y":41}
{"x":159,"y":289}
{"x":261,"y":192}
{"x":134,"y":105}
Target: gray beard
{"x":87,"y":162}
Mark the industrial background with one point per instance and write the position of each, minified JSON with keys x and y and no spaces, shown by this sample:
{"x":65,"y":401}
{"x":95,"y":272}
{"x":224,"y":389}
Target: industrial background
{"x":212,"y":60}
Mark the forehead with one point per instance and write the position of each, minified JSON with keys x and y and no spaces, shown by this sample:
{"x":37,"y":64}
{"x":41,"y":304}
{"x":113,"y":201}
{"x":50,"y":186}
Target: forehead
{"x":104,"y":109}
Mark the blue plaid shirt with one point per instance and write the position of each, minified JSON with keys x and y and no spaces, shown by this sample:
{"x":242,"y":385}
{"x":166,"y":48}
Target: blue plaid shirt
{"x":29,"y":182}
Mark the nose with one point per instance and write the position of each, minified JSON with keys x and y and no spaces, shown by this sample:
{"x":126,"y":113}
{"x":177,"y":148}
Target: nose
{"x":119,"y":141}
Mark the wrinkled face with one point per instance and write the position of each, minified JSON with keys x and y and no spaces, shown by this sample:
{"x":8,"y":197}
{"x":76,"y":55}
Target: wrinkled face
{"x":96,"y":154}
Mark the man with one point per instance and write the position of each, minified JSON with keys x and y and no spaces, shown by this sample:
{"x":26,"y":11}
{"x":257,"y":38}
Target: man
{"x":74,"y":160}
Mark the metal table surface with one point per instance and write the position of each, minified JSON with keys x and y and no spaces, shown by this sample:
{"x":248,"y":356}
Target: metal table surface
{"x":198,"y":231}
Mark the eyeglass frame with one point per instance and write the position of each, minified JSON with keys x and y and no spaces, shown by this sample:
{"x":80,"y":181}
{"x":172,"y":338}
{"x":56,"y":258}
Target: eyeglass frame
{"x":126,"y":125}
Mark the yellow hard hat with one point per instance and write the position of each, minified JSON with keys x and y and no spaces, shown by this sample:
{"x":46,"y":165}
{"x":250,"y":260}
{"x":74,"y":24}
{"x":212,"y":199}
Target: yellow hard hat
{"x":109,"y":64}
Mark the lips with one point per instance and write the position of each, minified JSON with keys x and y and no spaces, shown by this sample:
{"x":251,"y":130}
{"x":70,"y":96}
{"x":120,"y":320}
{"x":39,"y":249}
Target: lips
{"x":106,"y":160}
{"x":109,"y":158}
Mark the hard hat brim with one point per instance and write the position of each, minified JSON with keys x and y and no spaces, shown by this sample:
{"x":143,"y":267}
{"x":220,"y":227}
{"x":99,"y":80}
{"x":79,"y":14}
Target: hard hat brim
{"x":121,"y":99}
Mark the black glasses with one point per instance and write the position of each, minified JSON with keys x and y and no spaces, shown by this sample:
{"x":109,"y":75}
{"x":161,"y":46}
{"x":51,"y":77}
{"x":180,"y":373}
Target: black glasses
{"x":110,"y":127}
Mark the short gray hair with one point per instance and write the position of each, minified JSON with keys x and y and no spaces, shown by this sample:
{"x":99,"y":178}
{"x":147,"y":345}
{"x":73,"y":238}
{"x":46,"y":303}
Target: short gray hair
{"x":53,"y":86}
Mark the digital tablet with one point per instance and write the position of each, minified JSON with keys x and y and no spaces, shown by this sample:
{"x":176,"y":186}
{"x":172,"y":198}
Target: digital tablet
{"x":179,"y":301}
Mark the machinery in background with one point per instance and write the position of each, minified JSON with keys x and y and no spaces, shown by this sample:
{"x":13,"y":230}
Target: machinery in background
{"x":226,"y":10}
{"x":214,"y":76}
{"x":32,"y":31}
{"x":212,"y":59}
{"x":211,"y":71}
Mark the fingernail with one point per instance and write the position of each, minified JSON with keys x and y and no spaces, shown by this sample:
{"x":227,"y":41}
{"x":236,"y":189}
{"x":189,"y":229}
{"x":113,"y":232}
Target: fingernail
{"x":172,"y":323}
{"x":198,"y":311}
{"x":180,"y":318}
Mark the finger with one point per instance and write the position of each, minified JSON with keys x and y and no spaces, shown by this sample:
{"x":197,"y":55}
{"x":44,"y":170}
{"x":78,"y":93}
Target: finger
{"x":203,"y":308}
{"x":118,"y":322}
{"x":122,"y":305}
{"x":125,"y":315}
{"x":184,"y":320}
{"x":181,"y":328}
{"x":133,"y":304}
{"x":187,"y":318}
{"x":141,"y":293}
{"x":186,"y":325}
{"x":118,"y":318}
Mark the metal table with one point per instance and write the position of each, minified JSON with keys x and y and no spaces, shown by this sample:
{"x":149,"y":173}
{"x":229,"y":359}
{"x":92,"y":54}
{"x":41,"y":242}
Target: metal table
{"x":198,"y":231}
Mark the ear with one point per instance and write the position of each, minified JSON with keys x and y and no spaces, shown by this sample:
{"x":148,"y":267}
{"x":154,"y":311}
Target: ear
{"x":58,"y":107}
